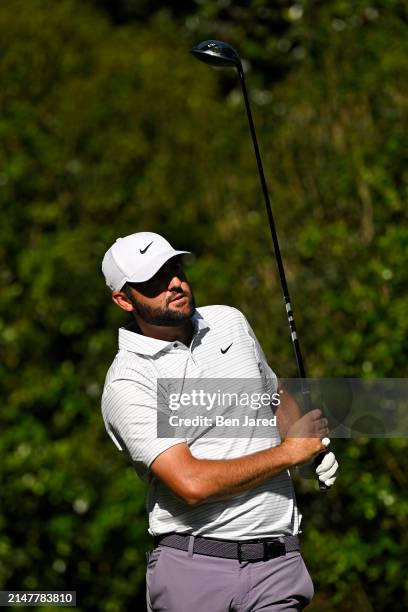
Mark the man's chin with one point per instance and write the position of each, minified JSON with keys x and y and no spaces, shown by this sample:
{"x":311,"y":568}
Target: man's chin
{"x":180,"y":313}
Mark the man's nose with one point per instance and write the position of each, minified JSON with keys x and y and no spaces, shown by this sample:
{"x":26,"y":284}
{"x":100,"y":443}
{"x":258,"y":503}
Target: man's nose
{"x":175,"y":281}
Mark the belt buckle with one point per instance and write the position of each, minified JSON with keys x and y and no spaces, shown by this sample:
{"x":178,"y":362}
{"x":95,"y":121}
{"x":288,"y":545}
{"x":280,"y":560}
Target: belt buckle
{"x":273,"y":548}
{"x":239,"y":550}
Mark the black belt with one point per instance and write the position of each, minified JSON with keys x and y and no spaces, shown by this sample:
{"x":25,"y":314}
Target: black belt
{"x":246,"y":550}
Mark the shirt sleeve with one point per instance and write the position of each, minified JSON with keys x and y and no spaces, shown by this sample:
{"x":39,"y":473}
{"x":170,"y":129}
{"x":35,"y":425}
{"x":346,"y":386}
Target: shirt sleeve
{"x":130,"y":413}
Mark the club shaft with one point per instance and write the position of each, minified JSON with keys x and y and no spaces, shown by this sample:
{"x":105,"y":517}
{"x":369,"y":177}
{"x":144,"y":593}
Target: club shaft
{"x":291,"y":319}
{"x":281,"y":270}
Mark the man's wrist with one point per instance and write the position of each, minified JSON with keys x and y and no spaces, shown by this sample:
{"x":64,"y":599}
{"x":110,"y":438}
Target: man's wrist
{"x":288,"y":456}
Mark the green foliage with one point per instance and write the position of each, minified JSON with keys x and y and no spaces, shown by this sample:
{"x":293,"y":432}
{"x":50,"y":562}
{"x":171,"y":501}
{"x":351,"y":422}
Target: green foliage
{"x":103,"y":132}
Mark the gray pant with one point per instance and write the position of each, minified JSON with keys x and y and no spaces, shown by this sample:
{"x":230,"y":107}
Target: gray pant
{"x":178,"y":581}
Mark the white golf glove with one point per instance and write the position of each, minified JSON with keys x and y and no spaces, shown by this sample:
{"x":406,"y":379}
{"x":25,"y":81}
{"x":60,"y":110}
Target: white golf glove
{"x":327,"y":469}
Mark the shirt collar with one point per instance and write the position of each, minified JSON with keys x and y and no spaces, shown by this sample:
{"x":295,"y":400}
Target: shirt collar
{"x":199,"y":322}
{"x":130,"y":340}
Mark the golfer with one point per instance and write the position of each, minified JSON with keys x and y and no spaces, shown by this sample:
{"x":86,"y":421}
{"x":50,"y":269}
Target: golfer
{"x":222,"y":510}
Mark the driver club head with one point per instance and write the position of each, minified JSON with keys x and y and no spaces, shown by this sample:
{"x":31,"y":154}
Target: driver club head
{"x":217,"y":53}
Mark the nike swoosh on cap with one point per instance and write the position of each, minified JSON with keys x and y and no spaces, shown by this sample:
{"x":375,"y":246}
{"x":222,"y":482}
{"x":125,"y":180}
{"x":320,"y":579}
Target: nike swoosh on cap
{"x":143,"y":251}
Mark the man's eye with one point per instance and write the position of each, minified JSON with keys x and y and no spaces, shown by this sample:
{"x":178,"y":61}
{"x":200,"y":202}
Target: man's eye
{"x":158,"y":278}
{"x":175,"y":266}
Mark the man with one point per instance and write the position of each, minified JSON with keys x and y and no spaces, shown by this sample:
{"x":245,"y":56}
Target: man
{"x":222,"y":509}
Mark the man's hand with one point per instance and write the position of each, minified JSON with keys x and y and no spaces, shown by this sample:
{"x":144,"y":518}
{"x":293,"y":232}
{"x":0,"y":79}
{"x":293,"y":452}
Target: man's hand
{"x":304,"y":438}
{"x":327,"y":469}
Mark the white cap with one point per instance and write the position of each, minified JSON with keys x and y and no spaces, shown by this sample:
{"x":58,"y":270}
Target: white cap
{"x":136,"y":258}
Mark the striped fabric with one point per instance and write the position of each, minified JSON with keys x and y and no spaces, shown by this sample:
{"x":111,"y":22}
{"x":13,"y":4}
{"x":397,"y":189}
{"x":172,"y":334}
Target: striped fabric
{"x":129,"y":410}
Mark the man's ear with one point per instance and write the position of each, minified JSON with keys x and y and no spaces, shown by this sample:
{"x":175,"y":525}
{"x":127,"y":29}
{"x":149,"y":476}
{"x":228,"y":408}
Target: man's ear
{"x":121,"y":299}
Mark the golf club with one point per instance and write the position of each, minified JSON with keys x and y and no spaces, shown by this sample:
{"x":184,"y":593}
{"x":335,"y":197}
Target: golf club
{"x":221,"y":54}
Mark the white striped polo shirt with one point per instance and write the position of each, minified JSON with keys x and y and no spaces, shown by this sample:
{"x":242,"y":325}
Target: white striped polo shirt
{"x":129,"y":409}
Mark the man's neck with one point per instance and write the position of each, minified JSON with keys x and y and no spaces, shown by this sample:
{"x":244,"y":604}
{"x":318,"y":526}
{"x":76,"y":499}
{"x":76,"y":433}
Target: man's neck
{"x":183,"y":332}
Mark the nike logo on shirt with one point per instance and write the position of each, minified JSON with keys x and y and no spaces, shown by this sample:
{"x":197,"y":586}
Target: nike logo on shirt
{"x":223,"y":351}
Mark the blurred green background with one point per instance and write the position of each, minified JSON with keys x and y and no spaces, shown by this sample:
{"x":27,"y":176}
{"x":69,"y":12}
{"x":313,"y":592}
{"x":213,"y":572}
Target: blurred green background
{"x":109,"y":126}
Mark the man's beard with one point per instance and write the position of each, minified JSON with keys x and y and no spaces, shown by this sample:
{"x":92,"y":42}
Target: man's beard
{"x":162,"y":316}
